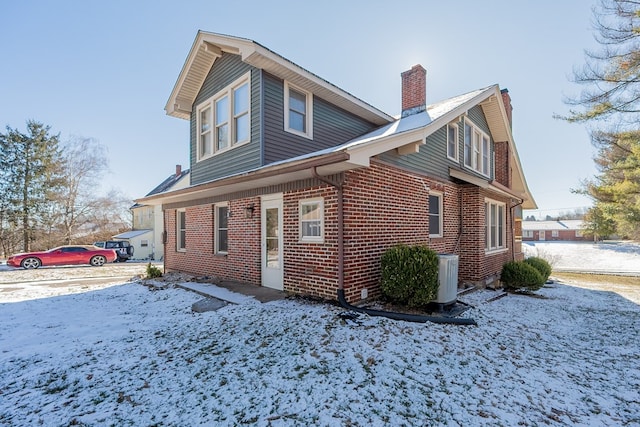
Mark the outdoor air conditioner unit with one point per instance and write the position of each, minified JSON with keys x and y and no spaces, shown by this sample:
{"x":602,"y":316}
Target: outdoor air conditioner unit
{"x":447,"y":279}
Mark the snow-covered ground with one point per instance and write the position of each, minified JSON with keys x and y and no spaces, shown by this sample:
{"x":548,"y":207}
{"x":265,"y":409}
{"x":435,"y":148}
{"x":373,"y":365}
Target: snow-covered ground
{"x":126,"y":355}
{"x":619,"y":257}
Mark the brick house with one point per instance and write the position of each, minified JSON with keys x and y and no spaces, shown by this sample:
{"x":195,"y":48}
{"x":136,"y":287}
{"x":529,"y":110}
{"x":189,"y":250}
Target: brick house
{"x":565,"y":230}
{"x":298,"y":185}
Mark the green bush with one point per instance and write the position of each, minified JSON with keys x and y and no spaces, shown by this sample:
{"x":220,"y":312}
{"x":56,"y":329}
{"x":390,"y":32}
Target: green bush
{"x":409,"y":275}
{"x":520,"y":275}
{"x":540,"y":264}
{"x":153,"y":271}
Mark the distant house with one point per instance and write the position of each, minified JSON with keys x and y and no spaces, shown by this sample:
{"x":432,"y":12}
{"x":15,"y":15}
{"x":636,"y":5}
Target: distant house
{"x":300,"y":186}
{"x":570,"y":230}
{"x":148,"y":222}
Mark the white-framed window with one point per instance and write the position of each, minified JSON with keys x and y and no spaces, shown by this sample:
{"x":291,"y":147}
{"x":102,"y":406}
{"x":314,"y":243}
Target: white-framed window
{"x":554,"y":233}
{"x":298,"y":111}
{"x":579,"y":233}
{"x":477,"y":148}
{"x":181,"y":230}
{"x":435,"y":214}
{"x":494,"y":222}
{"x":221,"y":228}
{"x":527,"y":233}
{"x":452,"y":141}
{"x":223,"y":121}
{"x":311,"y":220}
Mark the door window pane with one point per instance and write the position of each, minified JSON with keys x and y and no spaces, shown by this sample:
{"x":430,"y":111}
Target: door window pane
{"x":222,"y":229}
{"x":272,"y":238}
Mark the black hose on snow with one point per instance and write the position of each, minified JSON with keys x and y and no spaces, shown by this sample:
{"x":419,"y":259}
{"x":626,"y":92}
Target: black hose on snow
{"x":404,"y":316}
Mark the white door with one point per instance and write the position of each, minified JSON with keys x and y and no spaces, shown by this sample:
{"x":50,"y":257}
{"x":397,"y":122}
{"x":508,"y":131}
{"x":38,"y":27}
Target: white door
{"x":542,"y":236}
{"x":271,"y":242}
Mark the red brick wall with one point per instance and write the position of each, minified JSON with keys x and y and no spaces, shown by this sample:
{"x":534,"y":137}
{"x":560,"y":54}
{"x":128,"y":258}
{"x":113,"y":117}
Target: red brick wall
{"x":383,"y":206}
{"x":242,"y":263}
{"x":311,"y":268}
{"x":502,"y":164}
{"x":476,"y":266}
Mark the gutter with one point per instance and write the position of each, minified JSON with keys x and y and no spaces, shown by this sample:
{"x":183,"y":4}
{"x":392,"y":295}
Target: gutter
{"x":379,"y":313}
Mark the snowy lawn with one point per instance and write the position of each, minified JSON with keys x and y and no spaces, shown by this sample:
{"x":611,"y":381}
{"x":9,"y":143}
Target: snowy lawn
{"x":126,"y":355}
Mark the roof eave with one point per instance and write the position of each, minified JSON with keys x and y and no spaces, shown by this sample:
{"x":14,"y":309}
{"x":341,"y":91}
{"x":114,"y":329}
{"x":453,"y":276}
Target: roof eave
{"x":207,"y":47}
{"x":325,"y":164}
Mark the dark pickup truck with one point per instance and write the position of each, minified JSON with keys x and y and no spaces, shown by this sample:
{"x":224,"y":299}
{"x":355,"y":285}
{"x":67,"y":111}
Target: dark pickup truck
{"x":123,"y":249}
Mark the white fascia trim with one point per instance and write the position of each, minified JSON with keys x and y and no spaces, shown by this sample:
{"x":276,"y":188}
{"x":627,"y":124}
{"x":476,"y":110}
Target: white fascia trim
{"x":263,"y":52}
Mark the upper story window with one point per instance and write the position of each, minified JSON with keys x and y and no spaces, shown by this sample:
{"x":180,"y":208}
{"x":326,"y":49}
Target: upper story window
{"x":476,"y":148}
{"x":452,"y":141}
{"x":298,"y":111}
{"x":223,"y":121}
{"x":435,"y":214}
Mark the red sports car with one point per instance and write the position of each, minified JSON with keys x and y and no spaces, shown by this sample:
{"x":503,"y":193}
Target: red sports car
{"x":63,"y":255}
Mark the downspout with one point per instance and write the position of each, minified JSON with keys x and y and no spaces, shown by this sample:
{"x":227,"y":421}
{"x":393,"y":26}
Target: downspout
{"x":380,"y":313}
{"x":340,"y":201}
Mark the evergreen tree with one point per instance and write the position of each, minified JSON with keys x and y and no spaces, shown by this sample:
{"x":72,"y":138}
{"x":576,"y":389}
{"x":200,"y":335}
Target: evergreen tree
{"x":30,"y":164}
{"x":611,"y":101}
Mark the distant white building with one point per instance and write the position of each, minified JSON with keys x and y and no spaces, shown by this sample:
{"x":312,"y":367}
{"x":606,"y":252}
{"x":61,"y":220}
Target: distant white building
{"x":146,"y":236}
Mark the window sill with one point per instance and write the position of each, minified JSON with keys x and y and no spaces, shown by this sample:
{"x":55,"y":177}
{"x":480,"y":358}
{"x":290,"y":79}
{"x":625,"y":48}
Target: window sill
{"x":495,"y":251}
{"x":302,"y":134}
{"x":224,"y":150}
{"x":476,"y":171}
{"x":308,"y":240}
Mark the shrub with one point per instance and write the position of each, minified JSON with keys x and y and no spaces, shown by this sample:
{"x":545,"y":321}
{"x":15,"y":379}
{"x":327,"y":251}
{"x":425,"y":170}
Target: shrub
{"x":409,"y":275}
{"x":540,"y":264}
{"x":518,"y":275}
{"x":153,"y":271}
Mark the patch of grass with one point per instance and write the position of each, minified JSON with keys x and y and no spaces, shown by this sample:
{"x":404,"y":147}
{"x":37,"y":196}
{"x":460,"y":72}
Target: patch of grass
{"x":598,"y":278}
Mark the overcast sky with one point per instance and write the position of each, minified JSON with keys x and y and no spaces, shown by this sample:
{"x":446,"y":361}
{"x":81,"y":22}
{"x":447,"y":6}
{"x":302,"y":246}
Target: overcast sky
{"x":105,"y":69}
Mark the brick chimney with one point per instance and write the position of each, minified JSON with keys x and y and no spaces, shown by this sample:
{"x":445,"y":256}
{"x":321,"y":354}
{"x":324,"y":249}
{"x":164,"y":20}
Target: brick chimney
{"x":178,"y":170}
{"x":506,"y":100}
{"x":414,"y":90}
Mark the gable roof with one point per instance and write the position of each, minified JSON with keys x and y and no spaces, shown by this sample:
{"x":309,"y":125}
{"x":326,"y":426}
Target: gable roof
{"x":404,"y":134}
{"x":208,"y":47}
{"x":168,"y":183}
{"x":165,"y":185}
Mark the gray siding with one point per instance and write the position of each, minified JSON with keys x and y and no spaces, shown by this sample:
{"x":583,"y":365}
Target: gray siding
{"x":432,"y":158}
{"x":225,"y":71}
{"x":331,"y":125}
